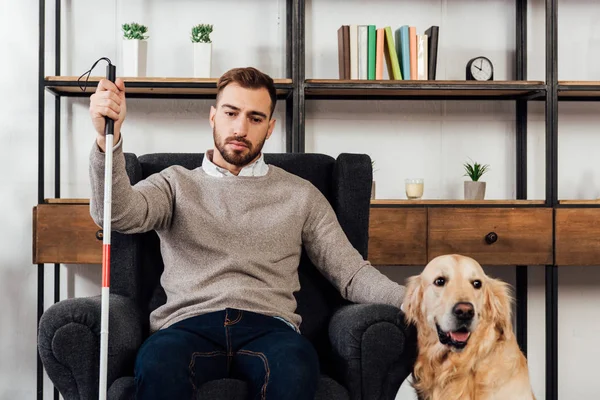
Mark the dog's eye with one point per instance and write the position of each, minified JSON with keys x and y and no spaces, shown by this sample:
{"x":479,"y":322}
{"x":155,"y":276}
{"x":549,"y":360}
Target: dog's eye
{"x":477,"y":284}
{"x":439,"y":282}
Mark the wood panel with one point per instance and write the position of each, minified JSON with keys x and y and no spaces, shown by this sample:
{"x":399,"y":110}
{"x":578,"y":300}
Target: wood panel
{"x":577,"y":236}
{"x":398,"y":236}
{"x":578,"y":89}
{"x":65,"y":233}
{"x":431,"y":202}
{"x":67,"y":201}
{"x":523,"y":236}
{"x":151,"y":85}
{"x":325,"y":87}
{"x":579,"y":202}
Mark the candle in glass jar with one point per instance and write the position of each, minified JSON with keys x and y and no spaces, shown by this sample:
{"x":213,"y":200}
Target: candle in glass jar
{"x":414,"y":188}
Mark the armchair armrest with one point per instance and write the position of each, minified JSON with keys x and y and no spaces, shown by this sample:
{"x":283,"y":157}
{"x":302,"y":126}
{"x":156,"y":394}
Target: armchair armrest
{"x":374,"y":349}
{"x":69,"y":343}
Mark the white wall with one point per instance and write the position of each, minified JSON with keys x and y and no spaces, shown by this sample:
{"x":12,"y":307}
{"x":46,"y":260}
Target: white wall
{"x":426,"y":138}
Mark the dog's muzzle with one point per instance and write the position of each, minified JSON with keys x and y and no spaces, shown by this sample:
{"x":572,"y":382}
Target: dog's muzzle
{"x":463,"y":313}
{"x":457,"y":339}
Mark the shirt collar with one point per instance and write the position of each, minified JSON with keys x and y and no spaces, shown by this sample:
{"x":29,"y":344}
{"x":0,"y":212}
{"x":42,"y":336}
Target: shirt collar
{"x":256,"y":168}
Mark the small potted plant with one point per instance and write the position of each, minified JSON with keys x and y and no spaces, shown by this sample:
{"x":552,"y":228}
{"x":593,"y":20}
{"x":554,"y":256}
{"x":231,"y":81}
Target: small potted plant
{"x":202,"y":50}
{"x":475,"y":189}
{"x":135,"y":49}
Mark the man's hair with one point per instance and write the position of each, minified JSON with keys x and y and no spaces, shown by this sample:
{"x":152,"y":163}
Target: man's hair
{"x":249,"y":78}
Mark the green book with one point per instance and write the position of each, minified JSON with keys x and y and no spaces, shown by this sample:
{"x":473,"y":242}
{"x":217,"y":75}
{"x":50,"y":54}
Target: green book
{"x":391,"y":58}
{"x":372,"y":51}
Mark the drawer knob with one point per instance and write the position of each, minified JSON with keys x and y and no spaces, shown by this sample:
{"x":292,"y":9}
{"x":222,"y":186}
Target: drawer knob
{"x":99,"y":234}
{"x":491,"y":237}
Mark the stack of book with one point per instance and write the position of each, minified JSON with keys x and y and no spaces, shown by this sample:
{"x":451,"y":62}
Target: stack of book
{"x":362,"y":50}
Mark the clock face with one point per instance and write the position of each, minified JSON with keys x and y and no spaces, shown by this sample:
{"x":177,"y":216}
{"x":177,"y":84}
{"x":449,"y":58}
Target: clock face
{"x":481,"y":69}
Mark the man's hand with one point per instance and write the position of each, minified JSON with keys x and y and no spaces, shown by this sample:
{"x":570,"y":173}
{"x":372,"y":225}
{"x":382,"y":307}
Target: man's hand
{"x":108,"y":101}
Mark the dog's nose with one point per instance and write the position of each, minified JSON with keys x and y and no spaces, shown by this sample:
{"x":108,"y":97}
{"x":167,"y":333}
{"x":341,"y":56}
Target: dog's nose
{"x":464,"y":311}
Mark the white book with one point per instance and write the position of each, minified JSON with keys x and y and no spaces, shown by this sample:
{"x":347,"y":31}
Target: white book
{"x":354,"y":51}
{"x":422,"y":57}
{"x":363,"y":51}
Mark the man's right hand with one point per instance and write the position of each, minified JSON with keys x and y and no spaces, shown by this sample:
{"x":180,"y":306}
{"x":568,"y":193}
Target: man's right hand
{"x":108,"y":101}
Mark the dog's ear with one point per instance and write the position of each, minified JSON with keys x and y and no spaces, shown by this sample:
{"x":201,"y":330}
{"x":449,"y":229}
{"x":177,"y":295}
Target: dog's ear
{"x":412,"y":299}
{"x":498,"y":304}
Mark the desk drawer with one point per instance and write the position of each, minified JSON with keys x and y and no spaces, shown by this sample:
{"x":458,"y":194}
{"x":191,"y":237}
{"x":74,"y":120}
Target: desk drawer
{"x":577,"y":236}
{"x":492,"y":236}
{"x":397,"y":236}
{"x":65,"y":233}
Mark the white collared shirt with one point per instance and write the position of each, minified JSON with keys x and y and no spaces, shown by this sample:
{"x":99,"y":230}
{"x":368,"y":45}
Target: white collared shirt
{"x":257,"y":168}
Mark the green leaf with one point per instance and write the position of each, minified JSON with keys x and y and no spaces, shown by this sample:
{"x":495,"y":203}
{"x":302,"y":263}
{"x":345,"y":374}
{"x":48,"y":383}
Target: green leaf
{"x":474,"y":170}
{"x":134,"y":30}
{"x":201,"y":33}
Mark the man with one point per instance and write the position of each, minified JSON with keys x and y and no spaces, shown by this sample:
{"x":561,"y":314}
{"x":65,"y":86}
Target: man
{"x":231,"y":237}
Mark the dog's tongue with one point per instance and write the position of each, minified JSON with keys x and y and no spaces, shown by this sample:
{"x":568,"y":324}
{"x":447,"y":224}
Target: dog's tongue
{"x":459,"y":336}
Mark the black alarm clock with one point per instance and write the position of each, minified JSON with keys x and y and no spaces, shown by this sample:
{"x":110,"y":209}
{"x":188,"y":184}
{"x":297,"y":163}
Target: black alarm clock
{"x":480,"y":69}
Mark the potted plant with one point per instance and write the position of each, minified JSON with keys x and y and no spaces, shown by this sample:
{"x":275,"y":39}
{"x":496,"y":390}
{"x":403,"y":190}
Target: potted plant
{"x":475,"y":189}
{"x":202,"y":50}
{"x":135,"y":49}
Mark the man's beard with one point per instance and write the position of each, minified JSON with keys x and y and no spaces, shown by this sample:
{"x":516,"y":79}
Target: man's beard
{"x":239,"y":158}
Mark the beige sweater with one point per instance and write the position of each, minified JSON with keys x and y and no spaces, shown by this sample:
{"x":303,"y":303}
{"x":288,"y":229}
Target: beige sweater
{"x":236,"y":241}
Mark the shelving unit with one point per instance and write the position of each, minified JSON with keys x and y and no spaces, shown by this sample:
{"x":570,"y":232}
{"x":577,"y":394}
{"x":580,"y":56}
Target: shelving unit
{"x":63,"y":232}
{"x":416,"y":241}
{"x":541,"y":227}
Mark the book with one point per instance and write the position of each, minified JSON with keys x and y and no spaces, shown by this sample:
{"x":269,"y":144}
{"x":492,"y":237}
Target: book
{"x":372,"y":51}
{"x":432,"y":50}
{"x":344,"y":51}
{"x":402,"y":48}
{"x":412,"y":43}
{"x":391,"y":58}
{"x":422,"y":57}
{"x":379,"y":54}
{"x":363,"y":51}
{"x":353,"y":51}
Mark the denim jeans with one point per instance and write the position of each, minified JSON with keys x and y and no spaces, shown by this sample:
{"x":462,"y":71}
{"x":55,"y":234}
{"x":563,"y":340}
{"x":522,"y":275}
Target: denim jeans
{"x":274,"y":360}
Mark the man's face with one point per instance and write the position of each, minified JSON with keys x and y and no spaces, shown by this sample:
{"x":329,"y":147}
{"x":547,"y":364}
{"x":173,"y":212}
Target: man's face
{"x":241,"y":124}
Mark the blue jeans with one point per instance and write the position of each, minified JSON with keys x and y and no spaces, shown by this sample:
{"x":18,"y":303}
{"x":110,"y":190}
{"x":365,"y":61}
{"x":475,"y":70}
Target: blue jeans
{"x":274,"y":360}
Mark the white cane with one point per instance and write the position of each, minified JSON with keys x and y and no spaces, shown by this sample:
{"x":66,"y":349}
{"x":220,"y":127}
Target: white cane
{"x":106,"y":229}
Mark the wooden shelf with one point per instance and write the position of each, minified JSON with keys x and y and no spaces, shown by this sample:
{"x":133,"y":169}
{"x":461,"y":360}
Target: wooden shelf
{"x":66,"y":201}
{"x":392,"y":202}
{"x":579,"y":90}
{"x":457,"y":202}
{"x":440,"y":90}
{"x":590,"y":202}
{"x":150,"y":87}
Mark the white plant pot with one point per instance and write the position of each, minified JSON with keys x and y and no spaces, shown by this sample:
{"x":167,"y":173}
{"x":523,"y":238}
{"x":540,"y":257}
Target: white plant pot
{"x":474,"y":190}
{"x":202,"y":59}
{"x":135,"y":54}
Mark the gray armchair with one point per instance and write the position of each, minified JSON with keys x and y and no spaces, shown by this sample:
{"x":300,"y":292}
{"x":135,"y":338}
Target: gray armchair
{"x":366,"y":351}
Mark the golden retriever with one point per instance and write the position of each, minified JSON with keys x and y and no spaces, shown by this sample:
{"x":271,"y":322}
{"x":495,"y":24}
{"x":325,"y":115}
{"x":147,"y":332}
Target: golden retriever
{"x":466,"y":346}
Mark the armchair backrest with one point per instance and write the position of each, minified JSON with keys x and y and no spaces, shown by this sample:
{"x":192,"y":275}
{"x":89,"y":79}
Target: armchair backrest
{"x":345,"y":182}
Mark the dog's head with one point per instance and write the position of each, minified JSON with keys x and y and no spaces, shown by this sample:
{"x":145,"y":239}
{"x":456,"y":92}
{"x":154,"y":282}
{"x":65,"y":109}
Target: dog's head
{"x":453,"y":297}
